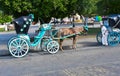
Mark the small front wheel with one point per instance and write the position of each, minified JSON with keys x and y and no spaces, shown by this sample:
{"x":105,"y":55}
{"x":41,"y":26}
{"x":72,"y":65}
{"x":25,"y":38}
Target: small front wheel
{"x":52,"y":47}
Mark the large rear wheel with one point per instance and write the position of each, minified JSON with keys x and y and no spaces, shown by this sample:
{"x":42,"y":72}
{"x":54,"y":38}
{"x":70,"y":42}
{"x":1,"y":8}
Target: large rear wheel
{"x":18,"y":47}
{"x":113,"y":38}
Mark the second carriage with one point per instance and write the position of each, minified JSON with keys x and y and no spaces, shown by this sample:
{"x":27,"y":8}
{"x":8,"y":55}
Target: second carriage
{"x":113,"y":26}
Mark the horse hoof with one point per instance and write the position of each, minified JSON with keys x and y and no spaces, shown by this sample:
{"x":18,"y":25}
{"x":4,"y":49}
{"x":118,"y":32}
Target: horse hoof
{"x":73,"y":47}
{"x":61,"y":49}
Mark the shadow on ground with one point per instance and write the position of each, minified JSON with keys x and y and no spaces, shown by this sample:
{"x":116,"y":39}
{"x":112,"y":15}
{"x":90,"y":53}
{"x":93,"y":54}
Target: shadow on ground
{"x":89,"y":44}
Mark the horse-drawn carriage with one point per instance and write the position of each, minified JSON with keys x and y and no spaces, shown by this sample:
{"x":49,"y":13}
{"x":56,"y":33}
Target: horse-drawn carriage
{"x":19,"y":46}
{"x":113,"y":27}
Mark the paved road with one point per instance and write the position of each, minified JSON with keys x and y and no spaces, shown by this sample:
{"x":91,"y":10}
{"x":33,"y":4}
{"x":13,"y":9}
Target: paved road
{"x":89,"y":59}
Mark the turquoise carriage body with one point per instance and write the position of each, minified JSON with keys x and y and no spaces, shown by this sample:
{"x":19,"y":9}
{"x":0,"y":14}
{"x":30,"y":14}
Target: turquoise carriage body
{"x":19,"y":46}
{"x":111,"y":23}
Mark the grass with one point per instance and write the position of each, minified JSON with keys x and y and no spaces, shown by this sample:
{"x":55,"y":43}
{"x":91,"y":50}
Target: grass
{"x":2,"y":29}
{"x":93,"y":31}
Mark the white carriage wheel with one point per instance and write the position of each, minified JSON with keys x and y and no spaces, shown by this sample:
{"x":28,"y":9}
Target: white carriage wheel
{"x":52,"y":47}
{"x":18,"y":47}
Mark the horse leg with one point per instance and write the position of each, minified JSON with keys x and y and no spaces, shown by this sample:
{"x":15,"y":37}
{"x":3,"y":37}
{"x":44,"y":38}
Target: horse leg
{"x":74,"y":42}
{"x":60,"y":43}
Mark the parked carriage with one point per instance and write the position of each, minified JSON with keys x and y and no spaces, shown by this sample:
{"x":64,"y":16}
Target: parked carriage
{"x":19,"y":46}
{"x":113,"y":27}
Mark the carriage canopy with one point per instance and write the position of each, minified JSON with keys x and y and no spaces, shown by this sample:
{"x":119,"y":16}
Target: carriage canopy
{"x":22,"y":24}
{"x":114,"y":21}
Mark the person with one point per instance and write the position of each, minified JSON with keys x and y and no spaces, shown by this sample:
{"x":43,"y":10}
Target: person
{"x":104,"y":31}
{"x":86,"y":21}
{"x":77,"y":16}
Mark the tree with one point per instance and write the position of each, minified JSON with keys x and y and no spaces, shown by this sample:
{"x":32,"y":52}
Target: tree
{"x":87,"y":7}
{"x":5,"y":18}
{"x":51,"y":8}
{"x":113,"y":6}
{"x":16,"y":7}
{"x":41,"y":8}
{"x":58,"y":8}
{"x":108,"y":7}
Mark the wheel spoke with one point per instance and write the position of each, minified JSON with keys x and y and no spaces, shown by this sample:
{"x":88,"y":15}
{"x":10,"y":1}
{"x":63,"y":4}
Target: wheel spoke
{"x":20,"y":52}
{"x":54,"y":49}
{"x":16,"y":43}
{"x":22,"y":43}
{"x":12,"y":47}
{"x":14,"y":51}
{"x":19,"y":41}
{"x":23,"y":50}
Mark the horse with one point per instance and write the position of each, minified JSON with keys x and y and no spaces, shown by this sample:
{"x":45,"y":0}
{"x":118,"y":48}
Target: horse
{"x":72,"y":32}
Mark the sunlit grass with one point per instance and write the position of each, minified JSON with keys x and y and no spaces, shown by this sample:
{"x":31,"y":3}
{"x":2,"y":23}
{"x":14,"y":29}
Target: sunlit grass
{"x":93,"y":31}
{"x":2,"y":29}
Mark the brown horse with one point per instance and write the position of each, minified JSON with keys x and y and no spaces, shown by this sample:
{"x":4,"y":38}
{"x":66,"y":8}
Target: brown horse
{"x":71,"y":33}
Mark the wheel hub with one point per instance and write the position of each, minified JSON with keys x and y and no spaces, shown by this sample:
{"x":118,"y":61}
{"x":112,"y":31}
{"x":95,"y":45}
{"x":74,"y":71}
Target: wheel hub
{"x":19,"y":48}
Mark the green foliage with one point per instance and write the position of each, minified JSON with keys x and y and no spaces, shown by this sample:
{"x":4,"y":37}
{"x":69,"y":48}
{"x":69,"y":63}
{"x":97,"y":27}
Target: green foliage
{"x":108,"y":7}
{"x":5,"y":18}
{"x":93,"y":31}
{"x":114,"y":6}
{"x":88,"y":7}
{"x":59,"y":8}
{"x":11,"y":6}
{"x":2,"y":29}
